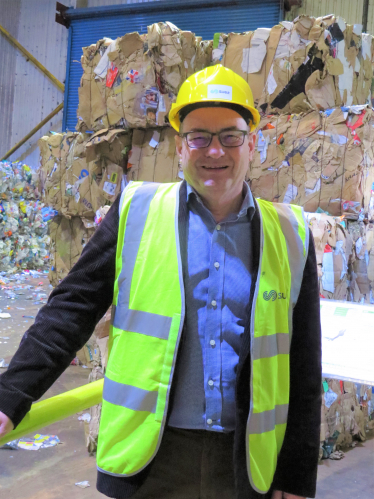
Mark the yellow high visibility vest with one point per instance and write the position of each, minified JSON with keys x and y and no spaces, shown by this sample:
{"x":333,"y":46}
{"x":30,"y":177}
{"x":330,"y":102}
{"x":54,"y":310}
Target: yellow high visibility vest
{"x":149,"y":308}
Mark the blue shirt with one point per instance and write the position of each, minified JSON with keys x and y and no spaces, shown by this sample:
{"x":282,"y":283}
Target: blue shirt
{"x":219,"y":258}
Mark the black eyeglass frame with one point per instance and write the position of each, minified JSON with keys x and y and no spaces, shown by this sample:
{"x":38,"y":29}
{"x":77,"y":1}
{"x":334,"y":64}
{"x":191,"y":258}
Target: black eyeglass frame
{"x":184,"y":136}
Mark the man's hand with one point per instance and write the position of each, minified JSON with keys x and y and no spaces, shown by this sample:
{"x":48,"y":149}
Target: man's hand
{"x":6,"y":424}
{"x":277,"y":494}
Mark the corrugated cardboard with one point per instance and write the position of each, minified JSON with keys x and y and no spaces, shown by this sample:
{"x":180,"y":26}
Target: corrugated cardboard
{"x":153,"y":157}
{"x":333,"y":245}
{"x":82,"y":172}
{"x":68,"y":238}
{"x":296,"y":66}
{"x":316,"y":160}
{"x":348,"y":415}
{"x":132,"y":81}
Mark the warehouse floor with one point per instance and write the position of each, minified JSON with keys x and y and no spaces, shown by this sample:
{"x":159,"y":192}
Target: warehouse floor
{"x":52,"y":473}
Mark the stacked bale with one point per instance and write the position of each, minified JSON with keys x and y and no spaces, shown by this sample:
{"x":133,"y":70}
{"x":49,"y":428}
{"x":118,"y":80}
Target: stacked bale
{"x":80,"y":174}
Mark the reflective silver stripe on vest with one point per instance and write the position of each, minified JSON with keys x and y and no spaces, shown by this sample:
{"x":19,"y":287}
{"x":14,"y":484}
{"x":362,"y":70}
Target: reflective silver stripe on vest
{"x":270,"y":346}
{"x":129,"y":396}
{"x":126,"y":319}
{"x":295,"y":247}
{"x":266,"y":421}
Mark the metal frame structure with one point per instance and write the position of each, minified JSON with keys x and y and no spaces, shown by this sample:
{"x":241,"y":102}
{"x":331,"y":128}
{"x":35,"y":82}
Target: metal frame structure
{"x":47,"y":73}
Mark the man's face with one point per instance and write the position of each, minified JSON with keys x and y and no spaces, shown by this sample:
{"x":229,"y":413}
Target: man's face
{"x":215,"y":171}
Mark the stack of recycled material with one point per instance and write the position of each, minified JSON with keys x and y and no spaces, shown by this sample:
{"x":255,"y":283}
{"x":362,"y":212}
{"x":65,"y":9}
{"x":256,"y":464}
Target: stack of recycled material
{"x":95,"y":355}
{"x":346,"y":415}
{"x":24,"y":243}
{"x":132,"y":81}
{"x":80,"y":177}
{"x":318,"y":160}
{"x":345,"y":257}
{"x":306,"y":64}
{"x":344,"y":262}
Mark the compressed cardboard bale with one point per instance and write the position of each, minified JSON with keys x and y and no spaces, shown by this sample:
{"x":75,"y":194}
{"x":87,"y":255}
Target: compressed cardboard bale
{"x":250,"y":55}
{"x":361,"y":262}
{"x":305,"y":64}
{"x":91,"y":428}
{"x":120,"y":72}
{"x":68,"y":238}
{"x":316,"y":160}
{"x":153,"y":156}
{"x":54,"y":151}
{"x":83,"y":172}
{"x":133,"y":80}
{"x":204,"y":49}
{"x":333,"y":246}
{"x":92,"y":102}
{"x":165,"y":44}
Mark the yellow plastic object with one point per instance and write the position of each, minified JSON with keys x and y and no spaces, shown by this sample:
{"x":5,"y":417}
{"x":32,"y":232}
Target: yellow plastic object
{"x":214,"y":84}
{"x":56,"y":408}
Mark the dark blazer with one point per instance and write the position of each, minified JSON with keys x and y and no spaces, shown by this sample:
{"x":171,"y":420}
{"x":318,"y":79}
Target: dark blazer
{"x":83,"y":297}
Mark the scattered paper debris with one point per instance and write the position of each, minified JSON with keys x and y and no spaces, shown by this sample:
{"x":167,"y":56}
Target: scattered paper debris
{"x":83,"y":485}
{"x":337,"y":455}
{"x":38,"y":442}
{"x":85,"y":417}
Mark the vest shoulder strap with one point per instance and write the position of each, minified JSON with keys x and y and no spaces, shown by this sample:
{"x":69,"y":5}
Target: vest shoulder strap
{"x":296,"y":232}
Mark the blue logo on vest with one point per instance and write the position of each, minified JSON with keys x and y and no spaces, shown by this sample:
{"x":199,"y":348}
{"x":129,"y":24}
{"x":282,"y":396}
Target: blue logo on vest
{"x":273,"y":295}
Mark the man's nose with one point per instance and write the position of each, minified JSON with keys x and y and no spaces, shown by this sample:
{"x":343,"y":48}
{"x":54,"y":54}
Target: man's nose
{"x":215,"y":150}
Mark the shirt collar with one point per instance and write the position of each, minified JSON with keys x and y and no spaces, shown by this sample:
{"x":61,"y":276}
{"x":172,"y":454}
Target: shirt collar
{"x":248,"y":205}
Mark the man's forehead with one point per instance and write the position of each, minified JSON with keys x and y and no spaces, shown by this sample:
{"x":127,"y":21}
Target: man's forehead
{"x":223,"y":118}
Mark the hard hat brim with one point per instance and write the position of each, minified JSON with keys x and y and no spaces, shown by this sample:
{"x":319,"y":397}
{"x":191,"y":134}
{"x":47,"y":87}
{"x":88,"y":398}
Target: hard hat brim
{"x":174,"y":112}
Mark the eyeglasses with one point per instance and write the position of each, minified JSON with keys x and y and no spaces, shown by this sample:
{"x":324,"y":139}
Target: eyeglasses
{"x":227,"y":138}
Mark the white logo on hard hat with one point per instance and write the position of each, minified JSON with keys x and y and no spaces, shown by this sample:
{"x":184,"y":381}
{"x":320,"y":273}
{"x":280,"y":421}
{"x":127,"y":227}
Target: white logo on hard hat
{"x":220,"y":92}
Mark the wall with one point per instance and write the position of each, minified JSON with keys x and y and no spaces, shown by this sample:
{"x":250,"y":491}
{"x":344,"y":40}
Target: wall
{"x":9,"y":20}
{"x":27,"y":96}
{"x":350,"y":10}
{"x":371,"y":17}
{"x":33,"y":96}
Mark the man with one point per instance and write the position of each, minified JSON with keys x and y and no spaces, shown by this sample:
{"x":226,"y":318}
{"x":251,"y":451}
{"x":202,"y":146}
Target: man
{"x":205,"y":395}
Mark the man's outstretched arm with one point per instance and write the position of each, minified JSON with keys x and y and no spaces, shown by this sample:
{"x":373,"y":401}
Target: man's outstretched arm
{"x":63,"y":325}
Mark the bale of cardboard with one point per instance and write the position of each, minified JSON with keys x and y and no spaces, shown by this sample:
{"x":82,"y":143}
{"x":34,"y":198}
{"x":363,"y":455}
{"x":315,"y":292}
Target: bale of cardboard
{"x":133,"y":80}
{"x":81,"y":172}
{"x":153,"y":156}
{"x":318,"y":160}
{"x":310,"y":63}
{"x":346,"y":416}
{"x":68,"y":238}
{"x":333,"y":244}
{"x":361,"y":266}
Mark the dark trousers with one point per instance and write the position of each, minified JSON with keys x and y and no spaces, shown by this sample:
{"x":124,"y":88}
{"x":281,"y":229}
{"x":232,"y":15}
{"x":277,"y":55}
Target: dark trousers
{"x":191,"y":464}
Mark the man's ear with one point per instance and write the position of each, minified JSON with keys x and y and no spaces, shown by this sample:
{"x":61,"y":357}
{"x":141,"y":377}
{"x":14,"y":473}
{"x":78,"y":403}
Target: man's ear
{"x":251,"y":144}
{"x":178,"y":145}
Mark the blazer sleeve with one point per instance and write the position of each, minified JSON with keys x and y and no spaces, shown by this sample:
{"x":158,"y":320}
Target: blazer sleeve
{"x":64,"y":324}
{"x":298,"y":459}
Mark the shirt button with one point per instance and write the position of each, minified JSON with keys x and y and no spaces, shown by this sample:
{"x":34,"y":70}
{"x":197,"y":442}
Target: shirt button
{"x":212,"y":342}
{"x":210,"y":382}
{"x":216,"y":265}
{"x":218,"y":227}
{"x":213,"y":303}
{"x":209,"y":421}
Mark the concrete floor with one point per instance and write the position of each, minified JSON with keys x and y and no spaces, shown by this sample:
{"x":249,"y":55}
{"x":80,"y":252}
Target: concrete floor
{"x":52,"y":473}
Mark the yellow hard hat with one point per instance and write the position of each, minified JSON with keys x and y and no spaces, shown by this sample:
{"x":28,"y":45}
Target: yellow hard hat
{"x":214,"y":84}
